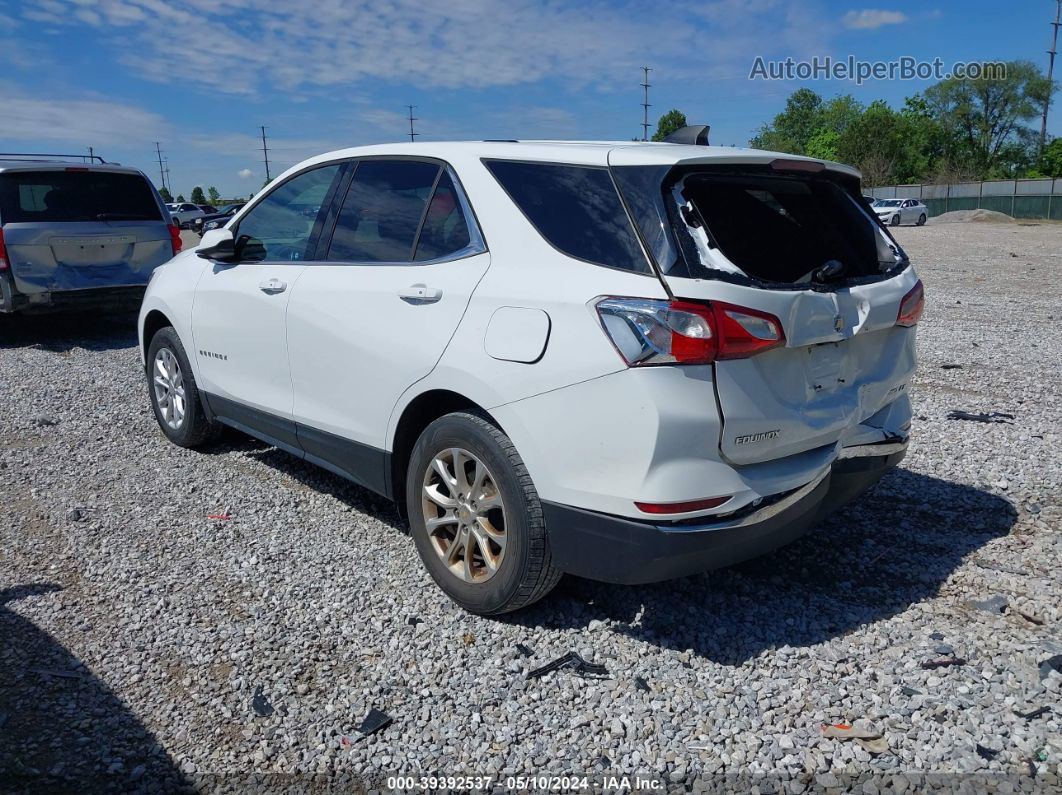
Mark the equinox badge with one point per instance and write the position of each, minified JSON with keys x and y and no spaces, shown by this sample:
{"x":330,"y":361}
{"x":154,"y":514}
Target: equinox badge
{"x":758,"y":437}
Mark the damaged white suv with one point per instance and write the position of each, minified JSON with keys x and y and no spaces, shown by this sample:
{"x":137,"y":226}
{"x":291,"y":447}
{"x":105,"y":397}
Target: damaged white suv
{"x":626,"y":361}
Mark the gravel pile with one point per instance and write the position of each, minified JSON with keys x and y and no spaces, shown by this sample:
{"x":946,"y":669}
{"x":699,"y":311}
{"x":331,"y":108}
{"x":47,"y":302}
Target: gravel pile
{"x":978,"y":216}
{"x":135,"y":630}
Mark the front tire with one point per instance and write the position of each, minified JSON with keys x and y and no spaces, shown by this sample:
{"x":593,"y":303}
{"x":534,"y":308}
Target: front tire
{"x":894,"y":221}
{"x":175,"y":398}
{"x":475,"y":516}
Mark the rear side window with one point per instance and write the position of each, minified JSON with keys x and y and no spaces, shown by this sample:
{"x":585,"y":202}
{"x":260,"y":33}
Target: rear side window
{"x":575,"y":208}
{"x":382,"y":211}
{"x":66,"y":196}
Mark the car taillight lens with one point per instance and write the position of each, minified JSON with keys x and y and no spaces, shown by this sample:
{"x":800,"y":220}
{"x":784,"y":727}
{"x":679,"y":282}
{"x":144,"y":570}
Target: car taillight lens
{"x":911,"y":306}
{"x":175,"y":239}
{"x":681,"y":507}
{"x":653,"y":332}
{"x":3,"y":253}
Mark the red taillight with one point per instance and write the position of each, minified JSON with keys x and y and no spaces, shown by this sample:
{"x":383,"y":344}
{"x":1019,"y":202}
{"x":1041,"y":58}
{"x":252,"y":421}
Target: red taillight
{"x":175,"y":239}
{"x":745,"y":332}
{"x":681,"y":507}
{"x":3,"y":252}
{"x":652,"y":332}
{"x":911,"y":306}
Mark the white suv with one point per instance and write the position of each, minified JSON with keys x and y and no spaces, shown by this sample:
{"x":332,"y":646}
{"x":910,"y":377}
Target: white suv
{"x":629,"y":362}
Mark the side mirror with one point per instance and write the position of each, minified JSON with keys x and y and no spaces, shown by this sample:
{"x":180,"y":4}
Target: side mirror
{"x":218,"y":245}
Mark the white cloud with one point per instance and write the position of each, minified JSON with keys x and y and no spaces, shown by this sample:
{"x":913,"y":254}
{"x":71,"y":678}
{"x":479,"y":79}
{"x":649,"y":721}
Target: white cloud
{"x":872,"y":19}
{"x":245,"y":173}
{"x":258,"y":44}
{"x":82,"y":122}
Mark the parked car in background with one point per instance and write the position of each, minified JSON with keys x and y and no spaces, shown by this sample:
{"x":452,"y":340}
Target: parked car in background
{"x":216,"y":219}
{"x":78,"y":235}
{"x":901,"y":211}
{"x":184,"y":213}
{"x":672,"y":357}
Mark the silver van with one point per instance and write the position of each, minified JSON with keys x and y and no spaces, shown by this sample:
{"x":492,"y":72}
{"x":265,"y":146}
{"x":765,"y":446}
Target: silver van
{"x":78,"y":235}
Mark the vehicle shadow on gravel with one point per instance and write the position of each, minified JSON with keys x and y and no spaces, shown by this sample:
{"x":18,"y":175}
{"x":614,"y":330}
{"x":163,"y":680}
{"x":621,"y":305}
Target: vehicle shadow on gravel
{"x":62,"y":332}
{"x":62,"y":729}
{"x":891,"y":548}
{"x":321,"y":480}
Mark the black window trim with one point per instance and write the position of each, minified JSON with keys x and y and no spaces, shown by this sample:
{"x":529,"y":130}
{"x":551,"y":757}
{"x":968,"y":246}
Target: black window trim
{"x":313,"y":242}
{"x":477,"y":242}
{"x":652,"y":268}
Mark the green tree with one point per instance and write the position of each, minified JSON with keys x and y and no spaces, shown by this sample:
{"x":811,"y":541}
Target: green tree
{"x":823,"y":144}
{"x":180,"y":197}
{"x":214,"y":194}
{"x":1051,"y":162}
{"x":986,"y":117}
{"x":198,"y":197}
{"x":673,"y":120}
{"x":164,"y":192}
{"x":793,"y":127}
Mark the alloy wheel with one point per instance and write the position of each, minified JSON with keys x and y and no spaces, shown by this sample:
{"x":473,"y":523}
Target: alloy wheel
{"x":168,"y":383}
{"x":464,"y":515}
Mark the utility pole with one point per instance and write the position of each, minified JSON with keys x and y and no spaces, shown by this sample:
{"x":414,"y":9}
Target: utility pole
{"x":166,"y":173}
{"x":92,"y":154}
{"x":265,"y":154}
{"x":412,"y":118}
{"x":1050,"y":71}
{"x":645,"y":103}
{"x":162,"y":173}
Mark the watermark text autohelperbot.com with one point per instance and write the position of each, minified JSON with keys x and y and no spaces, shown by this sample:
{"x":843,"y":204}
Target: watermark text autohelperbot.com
{"x":851,"y":68}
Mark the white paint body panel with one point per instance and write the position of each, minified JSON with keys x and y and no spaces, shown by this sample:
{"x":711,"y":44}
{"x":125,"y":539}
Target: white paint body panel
{"x":356,"y":346}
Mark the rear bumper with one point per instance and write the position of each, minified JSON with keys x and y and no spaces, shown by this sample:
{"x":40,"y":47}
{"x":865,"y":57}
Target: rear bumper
{"x":118,"y":299}
{"x":618,"y":550}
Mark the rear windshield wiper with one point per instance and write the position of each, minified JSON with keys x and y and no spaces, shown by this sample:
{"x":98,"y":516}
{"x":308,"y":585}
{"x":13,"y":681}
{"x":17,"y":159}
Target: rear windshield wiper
{"x":126,"y":217}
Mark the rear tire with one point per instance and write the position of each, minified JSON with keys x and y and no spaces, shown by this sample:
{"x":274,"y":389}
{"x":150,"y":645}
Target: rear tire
{"x":487,"y":548}
{"x":922,"y":219}
{"x":174,"y":396}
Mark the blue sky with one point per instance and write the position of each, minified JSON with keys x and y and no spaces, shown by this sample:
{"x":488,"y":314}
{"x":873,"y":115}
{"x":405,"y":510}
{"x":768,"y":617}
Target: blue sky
{"x":201,"y":75}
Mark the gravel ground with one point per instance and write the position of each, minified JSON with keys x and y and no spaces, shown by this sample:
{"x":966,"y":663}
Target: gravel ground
{"x":135,"y":630}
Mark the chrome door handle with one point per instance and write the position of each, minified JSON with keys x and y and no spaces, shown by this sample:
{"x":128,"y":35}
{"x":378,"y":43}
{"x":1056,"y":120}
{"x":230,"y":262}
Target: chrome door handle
{"x":272,"y":286}
{"x":420,"y":293}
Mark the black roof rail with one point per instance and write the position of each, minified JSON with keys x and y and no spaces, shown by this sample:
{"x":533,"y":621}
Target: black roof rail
{"x":46,"y":157}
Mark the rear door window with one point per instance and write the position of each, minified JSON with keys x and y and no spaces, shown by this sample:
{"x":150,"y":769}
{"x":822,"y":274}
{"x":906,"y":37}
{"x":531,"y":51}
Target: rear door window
{"x":67,"y":196}
{"x":383,"y":210}
{"x":445,"y":228}
{"x":575,"y":208}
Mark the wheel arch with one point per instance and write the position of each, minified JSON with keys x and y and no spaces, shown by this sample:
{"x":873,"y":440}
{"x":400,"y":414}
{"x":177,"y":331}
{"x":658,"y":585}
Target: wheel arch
{"x":417,"y":415}
{"x":153,"y":322}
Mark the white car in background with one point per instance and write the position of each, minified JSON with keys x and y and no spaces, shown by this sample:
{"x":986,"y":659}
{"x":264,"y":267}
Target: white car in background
{"x":184,"y":212}
{"x":894,"y":212}
{"x":626,"y":361}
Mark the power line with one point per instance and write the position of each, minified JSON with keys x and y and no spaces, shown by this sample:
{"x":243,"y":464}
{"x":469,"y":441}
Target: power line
{"x":645,"y":103}
{"x":412,"y":118}
{"x":1050,"y":72}
{"x":265,"y":154}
